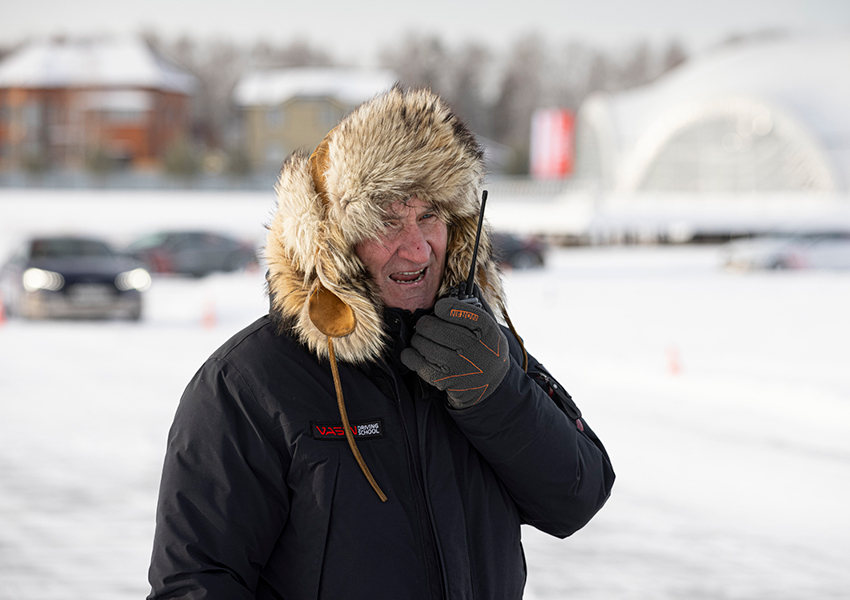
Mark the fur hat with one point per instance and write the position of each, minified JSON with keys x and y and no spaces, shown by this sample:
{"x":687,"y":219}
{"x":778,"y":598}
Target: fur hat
{"x":398,"y":145}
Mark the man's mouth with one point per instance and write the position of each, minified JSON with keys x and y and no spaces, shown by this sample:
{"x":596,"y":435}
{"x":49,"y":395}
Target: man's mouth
{"x":407,"y":277}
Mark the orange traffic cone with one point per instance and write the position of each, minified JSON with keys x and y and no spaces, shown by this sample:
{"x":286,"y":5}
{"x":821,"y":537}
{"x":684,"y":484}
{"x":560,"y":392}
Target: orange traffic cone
{"x":674,"y":362}
{"x":208,"y":318}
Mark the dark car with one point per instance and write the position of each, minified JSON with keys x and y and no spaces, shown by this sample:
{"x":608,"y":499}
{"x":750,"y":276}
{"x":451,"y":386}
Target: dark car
{"x":195,"y":253}
{"x":518,"y":252}
{"x":71,"y":276}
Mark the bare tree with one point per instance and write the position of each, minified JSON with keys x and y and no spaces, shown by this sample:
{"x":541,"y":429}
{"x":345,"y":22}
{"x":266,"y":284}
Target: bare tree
{"x":466,"y":82}
{"x":219,"y":71}
{"x":217,"y":65}
{"x":419,"y":61}
{"x":638,"y":68}
{"x":456,"y":74}
{"x":298,"y":53}
{"x":495,"y":95}
{"x":568,"y":75}
{"x":674,"y":56}
{"x":602,"y":73}
{"x":519,"y":92}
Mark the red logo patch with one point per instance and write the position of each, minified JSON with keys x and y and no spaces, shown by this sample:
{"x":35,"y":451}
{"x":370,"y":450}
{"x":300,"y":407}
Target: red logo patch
{"x":332,"y":431}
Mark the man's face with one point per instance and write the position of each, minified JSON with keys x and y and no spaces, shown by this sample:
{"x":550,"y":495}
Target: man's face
{"x":407,"y":258}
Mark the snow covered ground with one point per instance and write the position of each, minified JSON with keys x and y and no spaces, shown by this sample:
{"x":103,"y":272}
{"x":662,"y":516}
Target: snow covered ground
{"x":723,"y":399}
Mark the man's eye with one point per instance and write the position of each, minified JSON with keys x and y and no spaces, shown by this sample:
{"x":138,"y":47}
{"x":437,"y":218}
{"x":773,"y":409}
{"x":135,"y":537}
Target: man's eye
{"x":390,"y":227}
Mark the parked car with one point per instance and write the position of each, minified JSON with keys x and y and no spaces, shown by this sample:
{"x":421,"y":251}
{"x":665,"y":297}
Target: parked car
{"x":195,"y":253}
{"x":518,"y":252}
{"x":70,"y":276}
{"x":829,"y":250}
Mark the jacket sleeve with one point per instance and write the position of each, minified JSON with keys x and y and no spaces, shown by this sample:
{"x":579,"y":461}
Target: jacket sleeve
{"x":534,"y":438}
{"x":222,"y":500}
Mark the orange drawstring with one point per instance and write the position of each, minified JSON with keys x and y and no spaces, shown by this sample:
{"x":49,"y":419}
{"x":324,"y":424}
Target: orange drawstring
{"x":348,"y":435}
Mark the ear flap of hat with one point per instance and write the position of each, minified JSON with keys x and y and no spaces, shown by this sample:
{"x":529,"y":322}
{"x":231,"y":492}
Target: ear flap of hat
{"x":329,"y":314}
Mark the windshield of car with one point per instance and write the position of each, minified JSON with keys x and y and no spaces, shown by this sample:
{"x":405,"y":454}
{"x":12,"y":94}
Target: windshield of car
{"x":149,"y":241}
{"x":67,"y":247}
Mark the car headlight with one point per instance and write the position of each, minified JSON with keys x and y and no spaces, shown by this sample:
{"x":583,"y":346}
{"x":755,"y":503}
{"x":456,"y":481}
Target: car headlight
{"x":39,"y":279}
{"x":137,"y":279}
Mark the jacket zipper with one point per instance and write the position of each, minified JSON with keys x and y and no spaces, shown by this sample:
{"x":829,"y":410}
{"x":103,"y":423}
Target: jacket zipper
{"x":419,"y":485}
{"x":419,"y":390}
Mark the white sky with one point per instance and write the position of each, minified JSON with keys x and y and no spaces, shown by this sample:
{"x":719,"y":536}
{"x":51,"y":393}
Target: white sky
{"x":354,"y":30}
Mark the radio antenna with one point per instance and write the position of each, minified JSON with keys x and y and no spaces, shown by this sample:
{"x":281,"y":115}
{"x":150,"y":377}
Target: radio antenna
{"x":467,"y":291}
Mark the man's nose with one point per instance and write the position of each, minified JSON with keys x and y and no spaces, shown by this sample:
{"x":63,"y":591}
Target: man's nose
{"x":413,"y":246}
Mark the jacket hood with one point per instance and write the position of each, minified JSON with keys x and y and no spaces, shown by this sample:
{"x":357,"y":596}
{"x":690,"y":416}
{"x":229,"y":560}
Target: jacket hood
{"x":398,"y":145}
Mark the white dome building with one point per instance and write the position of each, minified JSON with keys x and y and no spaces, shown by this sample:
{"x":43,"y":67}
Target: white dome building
{"x":760,"y":117}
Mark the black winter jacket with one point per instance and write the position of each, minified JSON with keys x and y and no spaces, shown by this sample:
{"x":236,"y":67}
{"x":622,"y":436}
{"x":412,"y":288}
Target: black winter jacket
{"x":262,"y":498}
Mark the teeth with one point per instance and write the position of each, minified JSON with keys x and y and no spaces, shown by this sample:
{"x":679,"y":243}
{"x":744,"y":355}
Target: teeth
{"x":419,"y":275}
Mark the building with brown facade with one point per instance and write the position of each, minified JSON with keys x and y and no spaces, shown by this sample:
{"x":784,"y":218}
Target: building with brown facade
{"x":68,"y":104}
{"x":287,"y":109}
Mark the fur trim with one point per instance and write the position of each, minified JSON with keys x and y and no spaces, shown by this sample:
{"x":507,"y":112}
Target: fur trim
{"x":398,"y":145}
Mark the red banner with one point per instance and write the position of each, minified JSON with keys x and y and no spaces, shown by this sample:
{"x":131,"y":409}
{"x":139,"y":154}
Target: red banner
{"x":552,"y":143}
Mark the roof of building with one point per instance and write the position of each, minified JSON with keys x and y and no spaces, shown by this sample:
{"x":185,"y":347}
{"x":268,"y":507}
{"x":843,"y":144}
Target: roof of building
{"x":803,"y":79}
{"x":270,"y":87}
{"x":114,"y":63}
{"x":807,"y":76}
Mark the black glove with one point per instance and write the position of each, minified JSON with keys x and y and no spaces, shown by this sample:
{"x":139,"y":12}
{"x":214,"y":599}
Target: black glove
{"x":461,"y":350}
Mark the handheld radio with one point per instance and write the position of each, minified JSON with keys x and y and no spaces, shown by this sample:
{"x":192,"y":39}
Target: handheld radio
{"x":464,"y":292}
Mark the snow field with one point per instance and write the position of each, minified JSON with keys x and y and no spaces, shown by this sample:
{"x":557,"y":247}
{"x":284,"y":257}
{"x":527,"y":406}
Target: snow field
{"x":723,"y":399}
{"x":733,"y":472}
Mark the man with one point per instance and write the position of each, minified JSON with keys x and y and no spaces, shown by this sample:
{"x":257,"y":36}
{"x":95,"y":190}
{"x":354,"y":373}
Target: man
{"x":373,"y":436}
